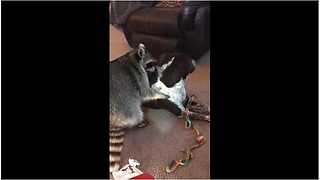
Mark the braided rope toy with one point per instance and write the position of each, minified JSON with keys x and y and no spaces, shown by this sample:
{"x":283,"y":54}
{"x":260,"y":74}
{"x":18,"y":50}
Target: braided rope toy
{"x":172,"y":166}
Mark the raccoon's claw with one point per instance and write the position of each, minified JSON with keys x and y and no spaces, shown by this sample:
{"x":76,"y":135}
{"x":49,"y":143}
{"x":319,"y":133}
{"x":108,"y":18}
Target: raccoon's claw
{"x":163,"y":96}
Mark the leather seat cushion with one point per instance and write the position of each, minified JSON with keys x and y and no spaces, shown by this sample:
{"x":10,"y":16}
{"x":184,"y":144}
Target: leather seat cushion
{"x":156,"y":21}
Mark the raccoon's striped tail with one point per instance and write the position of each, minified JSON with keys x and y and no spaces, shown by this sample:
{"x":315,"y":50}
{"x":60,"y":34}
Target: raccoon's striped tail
{"x":116,"y":143}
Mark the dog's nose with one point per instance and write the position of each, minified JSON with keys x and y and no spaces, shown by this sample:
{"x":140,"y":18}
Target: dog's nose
{"x":184,"y":80}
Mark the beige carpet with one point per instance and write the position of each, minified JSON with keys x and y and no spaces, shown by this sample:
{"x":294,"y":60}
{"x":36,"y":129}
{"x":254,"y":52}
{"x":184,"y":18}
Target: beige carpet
{"x":155,"y":145}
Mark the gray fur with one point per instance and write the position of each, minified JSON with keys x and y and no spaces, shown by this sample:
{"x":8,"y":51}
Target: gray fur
{"x":129,"y":87}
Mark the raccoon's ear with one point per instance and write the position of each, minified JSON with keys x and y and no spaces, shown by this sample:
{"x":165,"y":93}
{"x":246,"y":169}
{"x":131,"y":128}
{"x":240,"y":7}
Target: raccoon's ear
{"x":141,"y":46}
{"x":141,"y":51}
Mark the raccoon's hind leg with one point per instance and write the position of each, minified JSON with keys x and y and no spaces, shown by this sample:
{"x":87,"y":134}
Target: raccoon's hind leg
{"x":115,"y":147}
{"x":144,"y":122}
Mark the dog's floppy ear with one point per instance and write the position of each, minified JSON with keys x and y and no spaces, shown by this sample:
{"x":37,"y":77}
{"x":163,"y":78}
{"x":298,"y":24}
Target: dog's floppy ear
{"x":141,"y":50}
{"x":164,"y":66}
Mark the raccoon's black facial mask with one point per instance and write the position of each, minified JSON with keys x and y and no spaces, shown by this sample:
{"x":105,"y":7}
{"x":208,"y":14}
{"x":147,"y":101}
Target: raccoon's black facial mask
{"x":145,"y":56}
{"x":151,"y":67}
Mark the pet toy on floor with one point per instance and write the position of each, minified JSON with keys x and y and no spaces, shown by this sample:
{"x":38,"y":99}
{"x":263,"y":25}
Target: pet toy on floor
{"x":200,"y":140}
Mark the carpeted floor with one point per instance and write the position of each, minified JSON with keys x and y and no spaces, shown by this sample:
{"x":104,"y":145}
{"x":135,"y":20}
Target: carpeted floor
{"x":155,"y":145}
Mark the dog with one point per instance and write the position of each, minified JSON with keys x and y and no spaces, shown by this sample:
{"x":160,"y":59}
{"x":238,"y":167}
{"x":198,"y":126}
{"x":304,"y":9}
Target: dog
{"x":168,"y":75}
{"x":129,"y":87}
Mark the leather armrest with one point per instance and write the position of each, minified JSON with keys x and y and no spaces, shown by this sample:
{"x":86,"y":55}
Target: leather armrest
{"x":196,"y":28}
{"x":189,"y":13}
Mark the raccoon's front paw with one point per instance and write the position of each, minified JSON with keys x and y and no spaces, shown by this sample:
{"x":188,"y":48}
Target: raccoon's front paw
{"x":163,"y":96}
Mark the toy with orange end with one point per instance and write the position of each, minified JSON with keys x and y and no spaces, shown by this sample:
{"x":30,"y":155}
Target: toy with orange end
{"x":200,"y":140}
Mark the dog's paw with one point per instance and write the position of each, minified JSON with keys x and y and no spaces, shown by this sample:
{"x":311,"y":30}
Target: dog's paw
{"x":199,"y":116}
{"x":200,"y":109}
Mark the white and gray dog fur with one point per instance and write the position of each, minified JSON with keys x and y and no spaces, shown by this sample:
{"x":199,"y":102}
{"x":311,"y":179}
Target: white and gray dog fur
{"x":168,"y":75}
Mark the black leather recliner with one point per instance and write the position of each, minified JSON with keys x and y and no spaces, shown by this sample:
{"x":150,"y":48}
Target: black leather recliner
{"x":164,"y":30}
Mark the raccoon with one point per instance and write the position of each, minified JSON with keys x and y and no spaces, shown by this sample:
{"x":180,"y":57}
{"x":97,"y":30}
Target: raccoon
{"x":129,"y":87}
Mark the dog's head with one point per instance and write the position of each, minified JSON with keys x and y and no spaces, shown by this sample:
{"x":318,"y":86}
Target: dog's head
{"x":171,"y":68}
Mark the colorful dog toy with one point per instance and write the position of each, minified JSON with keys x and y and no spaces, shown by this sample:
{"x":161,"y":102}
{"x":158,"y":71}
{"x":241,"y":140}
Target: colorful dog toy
{"x":199,"y":141}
